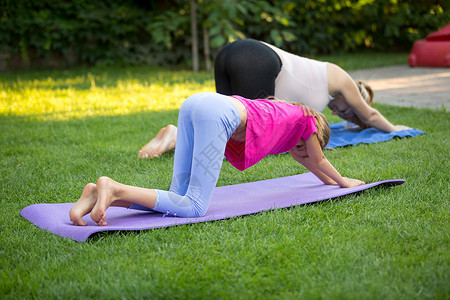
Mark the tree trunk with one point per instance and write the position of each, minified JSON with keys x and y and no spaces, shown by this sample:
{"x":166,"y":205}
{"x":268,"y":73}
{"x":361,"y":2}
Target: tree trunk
{"x":206,"y":49}
{"x":194,"y":39}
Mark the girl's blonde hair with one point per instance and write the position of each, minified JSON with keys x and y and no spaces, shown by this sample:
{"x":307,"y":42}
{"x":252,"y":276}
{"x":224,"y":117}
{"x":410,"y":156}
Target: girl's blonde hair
{"x":367,"y":94}
{"x":322,"y":126}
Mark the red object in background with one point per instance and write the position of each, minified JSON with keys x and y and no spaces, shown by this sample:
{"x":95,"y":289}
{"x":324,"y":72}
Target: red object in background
{"x":434,"y":51}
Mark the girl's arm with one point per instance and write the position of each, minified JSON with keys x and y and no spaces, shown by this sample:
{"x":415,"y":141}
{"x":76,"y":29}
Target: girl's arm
{"x":340,"y":81}
{"x":316,"y":162}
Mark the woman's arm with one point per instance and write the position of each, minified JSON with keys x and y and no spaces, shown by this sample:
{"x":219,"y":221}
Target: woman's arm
{"x":340,"y":82}
{"x":316,"y":162}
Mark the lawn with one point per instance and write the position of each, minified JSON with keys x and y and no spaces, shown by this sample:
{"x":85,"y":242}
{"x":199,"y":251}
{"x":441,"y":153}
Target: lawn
{"x":63,"y":129}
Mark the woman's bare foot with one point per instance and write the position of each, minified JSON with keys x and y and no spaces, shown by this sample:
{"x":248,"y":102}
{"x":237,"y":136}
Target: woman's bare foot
{"x":84,"y":205}
{"x":164,"y":141}
{"x":106,"y":195}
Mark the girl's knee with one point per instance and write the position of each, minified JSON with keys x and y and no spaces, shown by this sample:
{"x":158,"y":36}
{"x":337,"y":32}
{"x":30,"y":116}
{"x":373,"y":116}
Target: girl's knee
{"x":175,"y":205}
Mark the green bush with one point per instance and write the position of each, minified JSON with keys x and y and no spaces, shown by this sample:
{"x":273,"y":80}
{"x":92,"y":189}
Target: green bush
{"x":158,"y":32}
{"x":327,"y":26}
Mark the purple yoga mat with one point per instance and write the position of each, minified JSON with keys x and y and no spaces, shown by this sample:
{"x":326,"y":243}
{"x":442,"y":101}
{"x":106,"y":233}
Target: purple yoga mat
{"x":227,"y":201}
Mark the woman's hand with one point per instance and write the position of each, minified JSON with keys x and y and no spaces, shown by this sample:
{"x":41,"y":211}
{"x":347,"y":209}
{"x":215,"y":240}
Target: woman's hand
{"x":400,"y":127}
{"x":350,"y":182}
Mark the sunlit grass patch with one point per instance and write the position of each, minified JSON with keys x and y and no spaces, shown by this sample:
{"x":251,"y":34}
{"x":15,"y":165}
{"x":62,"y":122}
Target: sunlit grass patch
{"x":96,"y":92}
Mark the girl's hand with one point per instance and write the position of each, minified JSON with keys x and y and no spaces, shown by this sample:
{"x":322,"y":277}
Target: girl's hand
{"x":352,"y":182}
{"x":329,"y":181}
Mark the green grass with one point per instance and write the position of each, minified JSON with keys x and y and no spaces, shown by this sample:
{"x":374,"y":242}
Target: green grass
{"x":60,"y":131}
{"x":366,"y":60}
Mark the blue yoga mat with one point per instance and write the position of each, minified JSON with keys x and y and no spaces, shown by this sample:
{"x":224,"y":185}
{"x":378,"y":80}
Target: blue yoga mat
{"x":342,"y":136}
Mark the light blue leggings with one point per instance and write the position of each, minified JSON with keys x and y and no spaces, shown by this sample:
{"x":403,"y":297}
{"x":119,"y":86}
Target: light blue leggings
{"x":206,"y":122}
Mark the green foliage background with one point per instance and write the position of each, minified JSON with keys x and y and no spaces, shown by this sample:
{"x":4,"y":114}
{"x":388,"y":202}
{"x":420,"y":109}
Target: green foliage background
{"x":158,"y":32}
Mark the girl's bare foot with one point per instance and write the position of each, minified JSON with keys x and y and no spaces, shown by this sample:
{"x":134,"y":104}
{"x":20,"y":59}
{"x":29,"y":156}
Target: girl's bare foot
{"x":84,"y":205}
{"x":106,"y":195}
{"x":164,"y":141}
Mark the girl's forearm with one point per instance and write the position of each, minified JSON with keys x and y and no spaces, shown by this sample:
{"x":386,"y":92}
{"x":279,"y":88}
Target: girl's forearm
{"x":323,"y":170}
{"x":318,"y":164}
{"x":313,"y":168}
{"x":322,"y":176}
{"x":325,"y":167}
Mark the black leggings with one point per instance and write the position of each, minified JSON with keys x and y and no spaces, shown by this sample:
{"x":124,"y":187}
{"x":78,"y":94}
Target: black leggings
{"x":247,"y":68}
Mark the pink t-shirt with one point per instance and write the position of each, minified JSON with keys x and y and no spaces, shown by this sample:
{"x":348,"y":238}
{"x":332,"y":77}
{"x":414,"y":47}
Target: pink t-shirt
{"x":272,"y":128}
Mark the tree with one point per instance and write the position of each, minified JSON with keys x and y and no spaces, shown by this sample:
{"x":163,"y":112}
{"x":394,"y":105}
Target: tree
{"x":194,"y":34}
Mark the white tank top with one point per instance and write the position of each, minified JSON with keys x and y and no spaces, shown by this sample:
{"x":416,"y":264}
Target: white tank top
{"x":302,"y":80}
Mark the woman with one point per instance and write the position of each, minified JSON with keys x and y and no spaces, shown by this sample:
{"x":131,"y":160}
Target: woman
{"x":254,"y":69}
{"x":212,"y":125}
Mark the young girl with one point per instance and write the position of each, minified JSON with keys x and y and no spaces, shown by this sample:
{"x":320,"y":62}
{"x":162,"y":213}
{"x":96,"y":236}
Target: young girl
{"x":209,"y":126}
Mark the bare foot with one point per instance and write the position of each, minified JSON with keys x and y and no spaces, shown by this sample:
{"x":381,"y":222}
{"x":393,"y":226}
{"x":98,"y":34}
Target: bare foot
{"x":164,"y":141}
{"x":84,"y":205}
{"x":106,"y":190}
